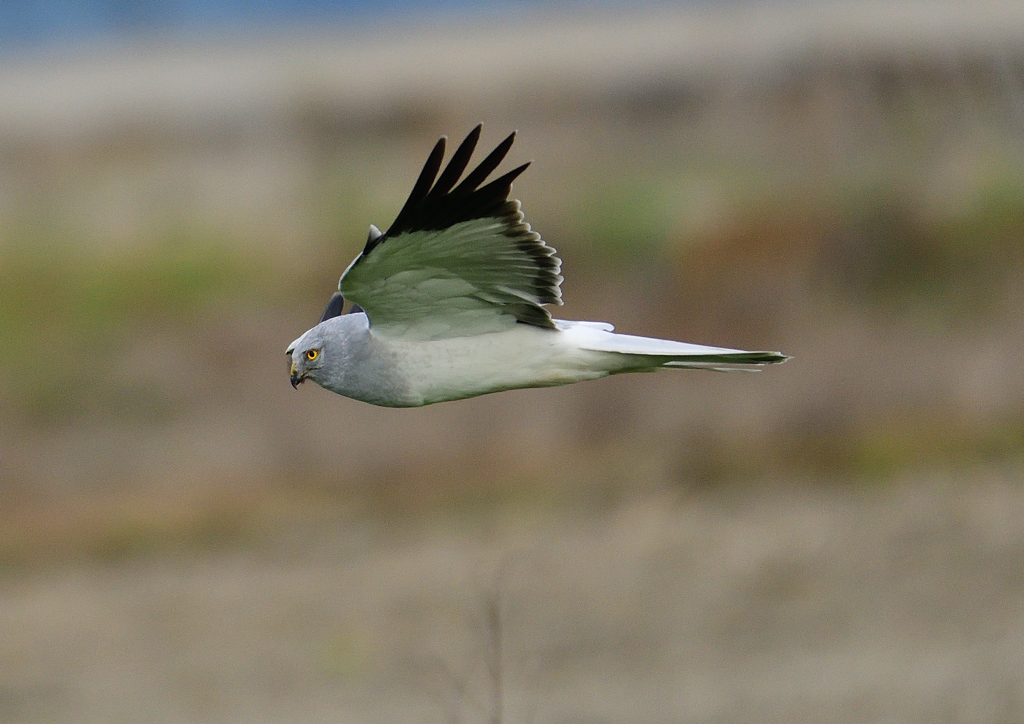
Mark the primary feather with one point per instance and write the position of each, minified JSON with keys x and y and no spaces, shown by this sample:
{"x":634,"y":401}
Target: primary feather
{"x":449,"y":303}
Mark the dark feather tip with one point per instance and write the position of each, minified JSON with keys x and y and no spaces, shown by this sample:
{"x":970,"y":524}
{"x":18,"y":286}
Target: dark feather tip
{"x":333,"y":307}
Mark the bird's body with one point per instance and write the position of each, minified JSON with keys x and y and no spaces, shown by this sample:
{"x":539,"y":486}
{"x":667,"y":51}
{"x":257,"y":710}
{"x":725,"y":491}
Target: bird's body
{"x":399,"y":373}
{"x":395,"y":372}
{"x":453,"y":295}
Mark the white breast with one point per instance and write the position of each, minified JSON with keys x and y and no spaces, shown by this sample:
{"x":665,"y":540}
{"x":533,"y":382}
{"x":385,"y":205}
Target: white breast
{"x":451,"y":369}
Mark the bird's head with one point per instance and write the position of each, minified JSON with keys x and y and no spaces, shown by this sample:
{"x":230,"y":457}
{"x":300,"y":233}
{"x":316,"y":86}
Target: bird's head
{"x":321,"y":353}
{"x":306,"y":356}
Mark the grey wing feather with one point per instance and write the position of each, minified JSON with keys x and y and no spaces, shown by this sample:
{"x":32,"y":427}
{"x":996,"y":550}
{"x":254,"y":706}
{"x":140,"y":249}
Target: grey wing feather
{"x":458,"y":260}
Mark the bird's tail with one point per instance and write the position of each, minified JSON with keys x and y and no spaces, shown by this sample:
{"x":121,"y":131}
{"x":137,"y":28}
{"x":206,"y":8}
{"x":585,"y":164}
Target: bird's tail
{"x":633,"y":354}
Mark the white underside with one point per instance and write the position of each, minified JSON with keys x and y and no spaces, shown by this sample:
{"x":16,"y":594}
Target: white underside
{"x":523,"y":356}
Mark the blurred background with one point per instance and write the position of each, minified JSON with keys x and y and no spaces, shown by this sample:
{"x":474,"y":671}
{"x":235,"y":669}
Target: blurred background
{"x":185,"y":538}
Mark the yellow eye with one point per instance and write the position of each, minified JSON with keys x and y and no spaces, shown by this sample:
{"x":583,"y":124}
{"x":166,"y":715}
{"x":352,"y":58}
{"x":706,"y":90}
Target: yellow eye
{"x":312,"y":354}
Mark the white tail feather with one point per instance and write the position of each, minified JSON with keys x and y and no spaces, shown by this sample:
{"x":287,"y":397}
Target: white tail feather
{"x":651,"y":353}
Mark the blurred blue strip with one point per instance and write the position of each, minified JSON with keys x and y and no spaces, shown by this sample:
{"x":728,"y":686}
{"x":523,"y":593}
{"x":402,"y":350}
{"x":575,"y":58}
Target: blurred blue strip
{"x":44,"y":23}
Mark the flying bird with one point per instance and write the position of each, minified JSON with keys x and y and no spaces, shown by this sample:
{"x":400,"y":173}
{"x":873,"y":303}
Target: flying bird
{"x":449,"y":303}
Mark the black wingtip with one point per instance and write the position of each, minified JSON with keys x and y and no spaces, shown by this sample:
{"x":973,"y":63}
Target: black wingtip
{"x":442,"y":204}
{"x":481,"y":172}
{"x":458,"y":163}
{"x":422,"y":187}
{"x":501,"y":186}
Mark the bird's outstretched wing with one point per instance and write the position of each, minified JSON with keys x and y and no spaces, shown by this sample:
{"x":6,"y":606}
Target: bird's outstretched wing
{"x":458,"y":260}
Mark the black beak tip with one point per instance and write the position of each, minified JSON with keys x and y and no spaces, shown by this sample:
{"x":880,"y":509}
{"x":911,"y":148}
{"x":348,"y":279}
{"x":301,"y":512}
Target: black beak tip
{"x":296,"y":381}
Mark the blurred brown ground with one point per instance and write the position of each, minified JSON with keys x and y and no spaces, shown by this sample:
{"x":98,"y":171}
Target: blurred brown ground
{"x":184,"y":538}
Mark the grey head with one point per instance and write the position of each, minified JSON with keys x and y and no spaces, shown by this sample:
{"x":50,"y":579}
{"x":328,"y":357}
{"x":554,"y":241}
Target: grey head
{"x":320,"y":353}
{"x":306,"y":353}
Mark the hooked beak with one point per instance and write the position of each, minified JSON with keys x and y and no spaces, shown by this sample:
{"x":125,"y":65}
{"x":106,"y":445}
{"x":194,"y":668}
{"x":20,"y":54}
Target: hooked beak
{"x":296,"y":378}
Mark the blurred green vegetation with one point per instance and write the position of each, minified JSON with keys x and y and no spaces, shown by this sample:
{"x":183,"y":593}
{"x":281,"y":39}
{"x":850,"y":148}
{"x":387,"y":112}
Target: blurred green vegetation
{"x":66,"y":310}
{"x":686,"y":244}
{"x":958,"y":263}
{"x":877,"y":251}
